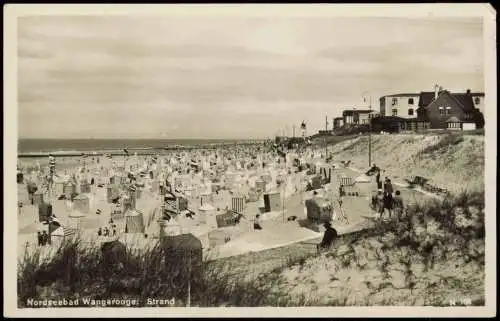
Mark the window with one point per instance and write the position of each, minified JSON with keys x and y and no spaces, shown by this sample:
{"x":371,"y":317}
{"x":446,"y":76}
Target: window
{"x":394,"y":112}
{"x":410,"y":101}
{"x":441,"y":111}
{"x":394,"y":101}
{"x":448,"y":110}
{"x":477,"y":100}
{"x":411,"y":112}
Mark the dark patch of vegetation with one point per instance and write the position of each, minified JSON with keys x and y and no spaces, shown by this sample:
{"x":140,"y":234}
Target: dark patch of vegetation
{"x":77,"y":271}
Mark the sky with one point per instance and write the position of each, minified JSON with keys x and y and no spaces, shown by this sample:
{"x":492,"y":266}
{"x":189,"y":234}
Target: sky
{"x":200,"y":77}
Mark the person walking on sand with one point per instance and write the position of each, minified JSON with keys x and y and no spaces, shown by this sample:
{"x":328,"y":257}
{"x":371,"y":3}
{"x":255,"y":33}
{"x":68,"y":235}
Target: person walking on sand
{"x":256,"y":223}
{"x":398,"y":204}
{"x":99,"y":232}
{"x":377,"y":178}
{"x":388,"y":196}
{"x":106,"y":231}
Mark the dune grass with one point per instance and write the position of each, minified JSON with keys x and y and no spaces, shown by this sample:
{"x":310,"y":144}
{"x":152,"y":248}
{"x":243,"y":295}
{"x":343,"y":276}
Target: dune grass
{"x":431,"y":254}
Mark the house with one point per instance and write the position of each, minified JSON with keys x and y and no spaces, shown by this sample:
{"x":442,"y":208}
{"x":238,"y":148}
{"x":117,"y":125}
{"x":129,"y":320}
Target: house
{"x":399,"y":105}
{"x":338,"y":122}
{"x":394,"y":124}
{"x":441,"y":107}
{"x":356,"y":117}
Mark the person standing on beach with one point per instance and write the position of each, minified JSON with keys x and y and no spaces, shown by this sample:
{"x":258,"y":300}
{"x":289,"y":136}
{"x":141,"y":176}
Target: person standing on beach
{"x":45,"y":238}
{"x":377,"y":178}
{"x":40,"y":238}
{"x":388,"y":196}
{"x":99,"y":232}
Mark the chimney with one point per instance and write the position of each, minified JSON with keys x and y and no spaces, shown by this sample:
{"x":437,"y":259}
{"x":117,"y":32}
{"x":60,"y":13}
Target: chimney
{"x":436,"y":91}
{"x":468,"y":91}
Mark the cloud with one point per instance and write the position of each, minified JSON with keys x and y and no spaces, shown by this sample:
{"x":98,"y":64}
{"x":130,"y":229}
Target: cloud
{"x":146,"y":73}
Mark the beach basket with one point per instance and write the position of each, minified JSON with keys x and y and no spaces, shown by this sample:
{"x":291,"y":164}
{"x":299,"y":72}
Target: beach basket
{"x":272,"y":202}
{"x":44,"y":212}
{"x":38,"y":198}
{"x":81,"y":203}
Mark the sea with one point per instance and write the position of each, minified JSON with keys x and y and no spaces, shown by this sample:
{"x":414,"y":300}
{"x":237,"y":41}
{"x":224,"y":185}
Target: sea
{"x":31,"y":145}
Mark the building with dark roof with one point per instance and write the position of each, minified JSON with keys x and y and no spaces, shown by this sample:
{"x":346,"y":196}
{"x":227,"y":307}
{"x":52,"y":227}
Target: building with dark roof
{"x":443,"y":105}
{"x":434,"y":107}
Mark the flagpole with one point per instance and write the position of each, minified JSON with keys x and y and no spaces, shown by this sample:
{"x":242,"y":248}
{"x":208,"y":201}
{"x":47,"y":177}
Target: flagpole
{"x":326,"y":143}
{"x":370,"y":132}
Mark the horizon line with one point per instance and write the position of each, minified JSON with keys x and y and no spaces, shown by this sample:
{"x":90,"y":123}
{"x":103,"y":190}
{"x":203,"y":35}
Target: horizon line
{"x":139,"y":138}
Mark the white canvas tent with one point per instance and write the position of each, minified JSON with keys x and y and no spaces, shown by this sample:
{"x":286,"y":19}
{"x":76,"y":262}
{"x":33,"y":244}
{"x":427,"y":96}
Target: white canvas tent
{"x":134,"y":222}
{"x":75,"y":219}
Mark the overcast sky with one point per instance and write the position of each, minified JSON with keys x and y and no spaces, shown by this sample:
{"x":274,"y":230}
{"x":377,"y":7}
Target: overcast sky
{"x":104,"y":76}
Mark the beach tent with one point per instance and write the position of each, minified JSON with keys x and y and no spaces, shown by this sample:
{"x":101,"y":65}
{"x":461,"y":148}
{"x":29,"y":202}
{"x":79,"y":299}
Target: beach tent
{"x":319,"y":209}
{"x":238,"y":203}
{"x":207,"y":214}
{"x":69,"y":190}
{"x":85,"y":186}
{"x":185,"y":253}
{"x":226,"y":219}
{"x":75,"y":219}
{"x":44,"y":211}
{"x":134,"y":221}
{"x":272,"y":202}
{"x":82,"y":203}
{"x":38,"y":198}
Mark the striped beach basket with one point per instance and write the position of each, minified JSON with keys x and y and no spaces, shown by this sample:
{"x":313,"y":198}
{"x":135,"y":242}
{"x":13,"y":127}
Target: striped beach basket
{"x":238,"y":204}
{"x":346,"y":181}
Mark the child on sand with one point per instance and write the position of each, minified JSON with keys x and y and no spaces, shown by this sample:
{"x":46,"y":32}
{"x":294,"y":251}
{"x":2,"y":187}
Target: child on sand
{"x":256,"y":223}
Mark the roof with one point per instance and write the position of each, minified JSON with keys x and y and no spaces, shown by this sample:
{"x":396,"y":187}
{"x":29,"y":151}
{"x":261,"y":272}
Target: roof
{"x":182,"y":242}
{"x":425,"y":98}
{"x":464,"y":100}
{"x":361,"y":111}
{"x":388,"y":119}
{"x":402,"y":95}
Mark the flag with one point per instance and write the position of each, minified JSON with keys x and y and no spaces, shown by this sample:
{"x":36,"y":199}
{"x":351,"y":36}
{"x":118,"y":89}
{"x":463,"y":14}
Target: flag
{"x":126,"y":151}
{"x":303,"y":125}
